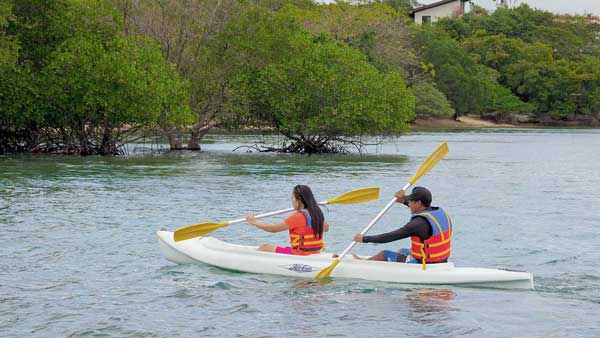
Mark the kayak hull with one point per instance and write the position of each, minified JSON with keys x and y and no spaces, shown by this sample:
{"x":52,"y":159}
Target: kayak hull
{"x":212,"y":251}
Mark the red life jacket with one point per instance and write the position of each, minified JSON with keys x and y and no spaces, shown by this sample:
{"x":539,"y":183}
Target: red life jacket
{"x":302,"y":240}
{"x":437,"y":247}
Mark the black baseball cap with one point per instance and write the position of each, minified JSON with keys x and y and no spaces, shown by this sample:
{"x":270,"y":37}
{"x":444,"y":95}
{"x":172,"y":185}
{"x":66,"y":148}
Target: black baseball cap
{"x":419,"y":194}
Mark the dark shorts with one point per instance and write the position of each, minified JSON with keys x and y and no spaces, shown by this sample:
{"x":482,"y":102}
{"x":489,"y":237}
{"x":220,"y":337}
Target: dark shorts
{"x":400,"y":256}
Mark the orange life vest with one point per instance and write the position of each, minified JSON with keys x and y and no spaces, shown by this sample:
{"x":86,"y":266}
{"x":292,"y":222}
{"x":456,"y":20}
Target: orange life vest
{"x":437,"y":247}
{"x":302,"y":240}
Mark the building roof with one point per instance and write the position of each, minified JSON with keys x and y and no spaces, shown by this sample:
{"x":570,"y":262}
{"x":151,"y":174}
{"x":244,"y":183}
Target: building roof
{"x":593,"y":18}
{"x":435,"y":4}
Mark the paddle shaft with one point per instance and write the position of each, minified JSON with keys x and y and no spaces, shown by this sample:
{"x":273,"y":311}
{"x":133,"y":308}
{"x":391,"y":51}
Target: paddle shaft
{"x":269,"y":214}
{"x":372,"y":223}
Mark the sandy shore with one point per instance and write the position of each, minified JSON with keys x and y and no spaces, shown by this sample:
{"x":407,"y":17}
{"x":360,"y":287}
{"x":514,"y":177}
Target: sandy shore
{"x":461,"y":122}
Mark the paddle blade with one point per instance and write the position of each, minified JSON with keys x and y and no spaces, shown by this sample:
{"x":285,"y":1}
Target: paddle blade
{"x":327,"y":271}
{"x":356,"y":196}
{"x":196,"y":230}
{"x":430,"y":162}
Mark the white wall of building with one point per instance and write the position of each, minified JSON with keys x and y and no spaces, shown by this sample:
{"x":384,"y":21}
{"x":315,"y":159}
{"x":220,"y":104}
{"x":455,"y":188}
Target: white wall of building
{"x":438,"y":12}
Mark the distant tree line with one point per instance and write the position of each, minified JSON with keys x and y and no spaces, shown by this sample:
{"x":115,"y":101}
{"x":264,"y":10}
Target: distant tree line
{"x":550,"y":62}
{"x":85,"y":77}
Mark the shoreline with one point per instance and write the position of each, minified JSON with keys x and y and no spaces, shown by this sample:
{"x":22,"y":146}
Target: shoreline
{"x":462,"y":122}
{"x":476,"y":122}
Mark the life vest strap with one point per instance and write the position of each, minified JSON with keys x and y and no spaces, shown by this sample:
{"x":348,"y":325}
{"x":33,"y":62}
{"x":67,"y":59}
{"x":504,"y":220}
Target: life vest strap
{"x":313,"y":242}
{"x":432,"y":245}
{"x":423,"y":258}
{"x":304,"y":236}
{"x":298,"y":242}
{"x":298,"y":238}
{"x":422,"y":254}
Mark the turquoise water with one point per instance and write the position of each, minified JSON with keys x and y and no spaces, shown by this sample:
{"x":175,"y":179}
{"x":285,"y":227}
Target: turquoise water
{"x":79,"y":256}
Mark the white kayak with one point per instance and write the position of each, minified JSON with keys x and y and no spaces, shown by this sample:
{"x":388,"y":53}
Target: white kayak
{"x":245,"y":258}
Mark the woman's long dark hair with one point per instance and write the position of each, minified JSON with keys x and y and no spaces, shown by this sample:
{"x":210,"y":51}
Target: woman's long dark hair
{"x":305,"y":195}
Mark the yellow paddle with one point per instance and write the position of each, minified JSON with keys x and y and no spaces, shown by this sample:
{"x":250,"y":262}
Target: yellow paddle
{"x":201,"y":229}
{"x":427,"y":165}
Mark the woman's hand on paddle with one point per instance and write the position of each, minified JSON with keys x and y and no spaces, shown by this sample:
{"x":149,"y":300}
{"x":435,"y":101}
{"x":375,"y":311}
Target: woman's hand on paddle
{"x":400,"y":196}
{"x":251,"y":219}
{"x":359,"y":238}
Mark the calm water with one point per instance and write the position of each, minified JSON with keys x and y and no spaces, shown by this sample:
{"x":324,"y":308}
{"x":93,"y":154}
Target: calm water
{"x":79,"y":256}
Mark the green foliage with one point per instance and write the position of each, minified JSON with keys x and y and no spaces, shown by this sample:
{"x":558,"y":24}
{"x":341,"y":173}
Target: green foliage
{"x":121,"y":81}
{"x":304,"y":85}
{"x":12,"y":79}
{"x":562,"y":88}
{"x":77,"y":77}
{"x":456,"y":73}
{"x":499,"y":51}
{"x":380,"y":32}
{"x":9,"y":48}
{"x":401,"y":6}
{"x":430,"y":101}
{"x":73,"y":70}
{"x":568,"y":37}
{"x":252,"y":39}
{"x":276,"y":5}
{"x":520,"y":22}
{"x":328,"y":89}
{"x":503,"y":102}
{"x":17,"y":96}
{"x":545,"y":59}
{"x":42,"y":25}
{"x":458,"y":29}
{"x":471,"y":87}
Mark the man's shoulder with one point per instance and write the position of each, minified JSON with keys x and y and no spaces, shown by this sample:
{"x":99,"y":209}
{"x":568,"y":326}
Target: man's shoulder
{"x":418,"y":220}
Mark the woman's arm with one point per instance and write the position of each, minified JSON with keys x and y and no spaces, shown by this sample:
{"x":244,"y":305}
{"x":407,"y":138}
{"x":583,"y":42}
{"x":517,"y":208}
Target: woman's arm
{"x":325,"y":226}
{"x":266,"y":227}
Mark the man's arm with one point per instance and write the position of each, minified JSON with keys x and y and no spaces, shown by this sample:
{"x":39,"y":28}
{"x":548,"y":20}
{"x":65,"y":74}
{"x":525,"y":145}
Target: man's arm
{"x":417,"y":226}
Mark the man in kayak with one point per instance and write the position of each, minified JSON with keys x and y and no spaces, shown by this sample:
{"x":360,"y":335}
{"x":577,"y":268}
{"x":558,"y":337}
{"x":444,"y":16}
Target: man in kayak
{"x":429,"y":228}
{"x":305,"y":226}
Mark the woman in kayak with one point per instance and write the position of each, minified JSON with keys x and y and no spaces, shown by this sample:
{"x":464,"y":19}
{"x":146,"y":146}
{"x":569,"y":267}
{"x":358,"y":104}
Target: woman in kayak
{"x":305,"y":226}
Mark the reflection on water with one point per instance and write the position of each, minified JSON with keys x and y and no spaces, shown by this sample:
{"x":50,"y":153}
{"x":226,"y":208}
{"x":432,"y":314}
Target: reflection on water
{"x":312,"y":283}
{"x":427,"y":304}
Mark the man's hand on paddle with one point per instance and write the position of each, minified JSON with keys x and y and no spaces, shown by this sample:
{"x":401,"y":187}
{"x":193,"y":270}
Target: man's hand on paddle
{"x":359,"y":238}
{"x":400,"y":197}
